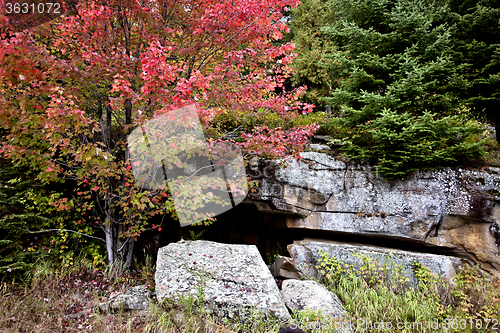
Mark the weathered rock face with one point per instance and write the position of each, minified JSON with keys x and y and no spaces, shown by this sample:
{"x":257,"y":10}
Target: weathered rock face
{"x":234,"y":278}
{"x":450,"y":211}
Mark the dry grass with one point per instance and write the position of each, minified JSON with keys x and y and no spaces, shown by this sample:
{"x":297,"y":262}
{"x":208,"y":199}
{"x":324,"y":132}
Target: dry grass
{"x":65,"y":302}
{"x":68,"y":301}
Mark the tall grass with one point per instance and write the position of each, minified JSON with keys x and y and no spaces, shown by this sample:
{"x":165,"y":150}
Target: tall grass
{"x":66,"y":299}
{"x":379,"y":299}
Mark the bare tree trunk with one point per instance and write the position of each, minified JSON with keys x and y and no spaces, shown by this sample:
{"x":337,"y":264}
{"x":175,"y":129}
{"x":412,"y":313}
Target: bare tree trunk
{"x":111,"y":242}
{"x":118,"y":251}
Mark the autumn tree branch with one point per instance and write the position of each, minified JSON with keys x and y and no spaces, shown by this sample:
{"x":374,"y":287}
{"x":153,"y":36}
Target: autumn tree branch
{"x":73,"y":231}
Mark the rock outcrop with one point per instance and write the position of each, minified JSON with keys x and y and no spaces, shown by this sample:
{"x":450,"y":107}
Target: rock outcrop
{"x":440,"y":219}
{"x":451,"y":211}
{"x":231,"y":280}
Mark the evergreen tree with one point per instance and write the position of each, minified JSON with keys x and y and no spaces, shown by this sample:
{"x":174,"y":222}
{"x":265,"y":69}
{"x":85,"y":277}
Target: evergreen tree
{"x":392,"y":54}
{"x":312,"y":47}
{"x":477,"y":46}
{"x":393,"y":80}
{"x":15,"y":219}
{"x":409,"y":56}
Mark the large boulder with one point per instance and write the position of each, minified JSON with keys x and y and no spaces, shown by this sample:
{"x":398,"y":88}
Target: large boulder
{"x":231,"y":280}
{"x":450,"y":211}
{"x":351,"y":254}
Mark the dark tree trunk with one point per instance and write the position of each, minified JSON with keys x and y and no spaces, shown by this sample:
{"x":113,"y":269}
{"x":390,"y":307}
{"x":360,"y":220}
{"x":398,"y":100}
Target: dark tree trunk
{"x":128,"y":114}
{"x":497,"y":130}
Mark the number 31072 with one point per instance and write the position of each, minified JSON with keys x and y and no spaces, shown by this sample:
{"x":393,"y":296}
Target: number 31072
{"x":25,"y":8}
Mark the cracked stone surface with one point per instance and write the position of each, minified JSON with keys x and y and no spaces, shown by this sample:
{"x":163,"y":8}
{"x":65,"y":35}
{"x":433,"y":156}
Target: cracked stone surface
{"x":453,"y":209}
{"x":231,"y":280}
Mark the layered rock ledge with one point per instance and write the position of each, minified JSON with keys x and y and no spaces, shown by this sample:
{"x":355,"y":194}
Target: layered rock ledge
{"x":450,"y":211}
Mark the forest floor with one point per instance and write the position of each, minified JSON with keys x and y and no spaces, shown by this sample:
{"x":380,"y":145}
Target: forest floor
{"x":70,"y":303}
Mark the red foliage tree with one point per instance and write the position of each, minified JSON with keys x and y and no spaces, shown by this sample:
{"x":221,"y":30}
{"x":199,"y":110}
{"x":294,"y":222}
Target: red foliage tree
{"x":72,"y":89}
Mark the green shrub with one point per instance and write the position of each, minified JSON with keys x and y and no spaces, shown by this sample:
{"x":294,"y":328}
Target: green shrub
{"x":375,"y":292}
{"x":477,"y":295}
{"x":400,"y":143}
{"x":226,"y":123}
{"x":27,"y":211}
{"x":18,"y":251}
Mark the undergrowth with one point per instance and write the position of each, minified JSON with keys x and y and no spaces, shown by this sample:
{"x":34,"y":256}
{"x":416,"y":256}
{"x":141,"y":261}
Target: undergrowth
{"x":378,"y":297}
{"x":374,"y":295}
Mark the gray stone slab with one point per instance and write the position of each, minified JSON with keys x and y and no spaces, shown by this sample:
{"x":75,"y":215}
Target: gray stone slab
{"x":234,"y":278}
{"x":308,"y":250}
